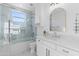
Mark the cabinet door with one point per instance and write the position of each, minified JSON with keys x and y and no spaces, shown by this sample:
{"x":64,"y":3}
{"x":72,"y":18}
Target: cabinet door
{"x":58,"y":54}
{"x":55,"y":53}
{"x":41,"y":49}
{"x":52,"y":52}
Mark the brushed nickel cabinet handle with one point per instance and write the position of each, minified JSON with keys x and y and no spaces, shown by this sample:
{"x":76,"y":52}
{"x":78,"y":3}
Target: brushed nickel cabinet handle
{"x":65,"y":51}
{"x":47,"y":52}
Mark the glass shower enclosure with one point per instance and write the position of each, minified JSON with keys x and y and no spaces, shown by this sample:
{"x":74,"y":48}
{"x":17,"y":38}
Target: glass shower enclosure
{"x":16,"y":25}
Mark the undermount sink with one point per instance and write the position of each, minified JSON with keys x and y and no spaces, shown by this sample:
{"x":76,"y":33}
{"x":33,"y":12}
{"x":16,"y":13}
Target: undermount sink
{"x":55,"y":35}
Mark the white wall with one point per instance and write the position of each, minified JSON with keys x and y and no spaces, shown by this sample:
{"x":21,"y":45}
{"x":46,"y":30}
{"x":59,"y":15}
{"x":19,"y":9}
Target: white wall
{"x":42,"y":15}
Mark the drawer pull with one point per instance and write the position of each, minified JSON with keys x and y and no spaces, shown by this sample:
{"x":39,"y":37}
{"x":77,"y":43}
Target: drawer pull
{"x":65,"y":51}
{"x":47,"y":52}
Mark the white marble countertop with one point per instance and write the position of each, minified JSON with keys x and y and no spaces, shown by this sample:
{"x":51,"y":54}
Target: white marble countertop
{"x":67,"y":41}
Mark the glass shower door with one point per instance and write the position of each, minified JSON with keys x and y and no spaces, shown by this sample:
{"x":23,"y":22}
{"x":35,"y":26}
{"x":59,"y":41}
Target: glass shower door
{"x":20,"y":26}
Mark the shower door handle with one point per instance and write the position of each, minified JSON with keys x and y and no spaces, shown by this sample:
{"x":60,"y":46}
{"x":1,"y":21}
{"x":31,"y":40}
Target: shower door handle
{"x":9,"y":30}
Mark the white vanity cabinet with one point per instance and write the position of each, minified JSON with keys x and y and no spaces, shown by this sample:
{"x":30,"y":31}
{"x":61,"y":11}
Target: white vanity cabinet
{"x":48,"y":48}
{"x":44,"y":48}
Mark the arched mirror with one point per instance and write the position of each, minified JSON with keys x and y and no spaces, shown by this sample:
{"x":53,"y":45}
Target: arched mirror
{"x":58,"y":20}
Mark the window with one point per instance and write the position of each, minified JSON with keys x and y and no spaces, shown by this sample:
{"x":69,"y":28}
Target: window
{"x":17,"y":24}
{"x":18,"y":17}
{"x":77,"y":23}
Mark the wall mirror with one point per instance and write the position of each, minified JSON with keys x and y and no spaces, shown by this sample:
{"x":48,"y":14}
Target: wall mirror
{"x":58,"y":20}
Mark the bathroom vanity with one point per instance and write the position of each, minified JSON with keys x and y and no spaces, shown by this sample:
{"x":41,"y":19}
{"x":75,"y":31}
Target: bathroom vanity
{"x":57,"y":47}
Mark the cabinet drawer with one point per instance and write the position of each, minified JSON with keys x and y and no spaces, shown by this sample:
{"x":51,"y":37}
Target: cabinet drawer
{"x":67,"y":51}
{"x":55,"y":53}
